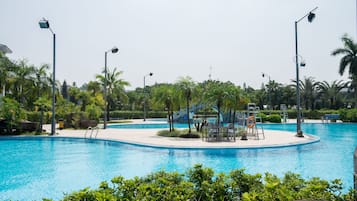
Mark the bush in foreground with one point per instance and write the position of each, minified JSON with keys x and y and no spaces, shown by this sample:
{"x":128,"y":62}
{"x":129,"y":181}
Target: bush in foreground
{"x":201,"y":183}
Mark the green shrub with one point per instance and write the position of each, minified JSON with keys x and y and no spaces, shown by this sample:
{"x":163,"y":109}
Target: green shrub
{"x":178,"y":133}
{"x":263,"y":116}
{"x":11,"y":113}
{"x":167,"y":133}
{"x":348,"y":115}
{"x":36,"y":116}
{"x":274,"y":118}
{"x":94,"y":112}
{"x":200,"y":183}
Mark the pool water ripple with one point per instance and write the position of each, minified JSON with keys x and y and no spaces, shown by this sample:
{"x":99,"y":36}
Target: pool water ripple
{"x":33,"y":168}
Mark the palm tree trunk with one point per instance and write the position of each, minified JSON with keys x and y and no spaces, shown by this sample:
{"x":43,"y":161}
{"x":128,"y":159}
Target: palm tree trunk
{"x":188,"y":115}
{"x":108,"y":115}
{"x":172,"y":120}
{"x":218,"y":117}
{"x":169,"y":119}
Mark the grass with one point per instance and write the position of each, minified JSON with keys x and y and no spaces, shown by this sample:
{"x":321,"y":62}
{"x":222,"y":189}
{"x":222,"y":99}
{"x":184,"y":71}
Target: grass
{"x":120,"y":121}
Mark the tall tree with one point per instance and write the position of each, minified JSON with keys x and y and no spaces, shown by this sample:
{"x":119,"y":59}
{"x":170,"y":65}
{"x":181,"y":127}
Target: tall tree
{"x":164,"y":96}
{"x":23,"y":81}
{"x":234,"y":100}
{"x":274,"y":94}
{"x":186,"y":86}
{"x":331,"y":93}
{"x":5,"y":71}
{"x":64,"y":90}
{"x":348,"y":60}
{"x":309,"y":92}
{"x":216,"y":96}
{"x":115,"y":88}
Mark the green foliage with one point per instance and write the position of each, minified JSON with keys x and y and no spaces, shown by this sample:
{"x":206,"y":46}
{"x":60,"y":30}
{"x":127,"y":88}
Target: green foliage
{"x":93,"y":111}
{"x":274,"y":118}
{"x":262,"y":116}
{"x":200,"y":183}
{"x":10,"y":110}
{"x":348,"y":115}
{"x":167,"y":133}
{"x":11,"y":113}
{"x":179,"y":133}
{"x":64,"y":107}
{"x":35,"y":116}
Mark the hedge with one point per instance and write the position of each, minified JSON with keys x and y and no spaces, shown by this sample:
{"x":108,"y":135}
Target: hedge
{"x":200,"y":183}
{"x":348,"y":115}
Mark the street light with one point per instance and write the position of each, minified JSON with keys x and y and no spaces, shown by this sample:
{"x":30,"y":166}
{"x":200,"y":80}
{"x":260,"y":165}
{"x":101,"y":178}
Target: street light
{"x":113,"y":50}
{"x":44,"y":24}
{"x":264,"y":75}
{"x":310,"y":17}
{"x":150,"y":74}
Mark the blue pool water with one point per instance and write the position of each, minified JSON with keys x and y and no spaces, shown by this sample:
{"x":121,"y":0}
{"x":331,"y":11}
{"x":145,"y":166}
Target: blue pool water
{"x":33,"y":168}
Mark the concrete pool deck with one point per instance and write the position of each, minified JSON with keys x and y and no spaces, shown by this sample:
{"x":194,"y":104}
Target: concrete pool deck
{"x":148,"y":137}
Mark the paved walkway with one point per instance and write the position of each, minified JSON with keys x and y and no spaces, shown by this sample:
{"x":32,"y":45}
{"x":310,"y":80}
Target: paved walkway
{"x":148,"y":137}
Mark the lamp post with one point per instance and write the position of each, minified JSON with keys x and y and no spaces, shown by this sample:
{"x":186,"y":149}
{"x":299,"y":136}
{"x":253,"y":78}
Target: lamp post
{"x":113,"y":50}
{"x":44,"y":24}
{"x":264,"y":75}
{"x":150,"y":74}
{"x":310,"y":16}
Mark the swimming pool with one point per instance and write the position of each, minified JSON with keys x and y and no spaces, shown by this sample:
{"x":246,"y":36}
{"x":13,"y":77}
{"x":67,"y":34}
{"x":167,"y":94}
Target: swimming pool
{"x":32,"y":168}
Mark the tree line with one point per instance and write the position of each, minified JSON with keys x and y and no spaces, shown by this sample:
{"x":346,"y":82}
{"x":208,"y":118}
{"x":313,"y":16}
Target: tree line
{"x":30,"y":87}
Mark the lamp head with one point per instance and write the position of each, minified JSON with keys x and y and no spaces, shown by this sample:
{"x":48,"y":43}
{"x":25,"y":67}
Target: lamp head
{"x":151,"y":73}
{"x":311,"y":16}
{"x":44,"y":24}
{"x":114,"y":50}
{"x":263,"y":75}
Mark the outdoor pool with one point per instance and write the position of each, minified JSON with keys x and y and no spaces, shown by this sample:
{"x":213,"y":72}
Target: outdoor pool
{"x":32,"y":168}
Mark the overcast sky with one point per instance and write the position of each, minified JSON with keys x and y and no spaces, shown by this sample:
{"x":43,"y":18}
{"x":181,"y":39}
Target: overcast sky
{"x":233,"y":40}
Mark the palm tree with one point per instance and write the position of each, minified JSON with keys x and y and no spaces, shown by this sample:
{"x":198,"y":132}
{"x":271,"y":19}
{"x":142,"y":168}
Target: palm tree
{"x":331,"y":94}
{"x":164,"y":95}
{"x":40,"y":79}
{"x":309,"y":93}
{"x":348,"y":60}
{"x":5,"y":66}
{"x":23,"y":81}
{"x":217,"y":95}
{"x":115,"y":88}
{"x":274,"y":93}
{"x":234,"y":99}
{"x":186,"y":85}
{"x":94,"y":87}
{"x":288,"y":95}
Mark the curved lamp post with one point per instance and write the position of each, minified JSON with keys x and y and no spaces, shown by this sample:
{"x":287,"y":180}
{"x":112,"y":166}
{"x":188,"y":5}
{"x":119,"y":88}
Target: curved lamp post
{"x":44,"y":24}
{"x":150,"y":74}
{"x":310,"y":16}
{"x":113,"y":50}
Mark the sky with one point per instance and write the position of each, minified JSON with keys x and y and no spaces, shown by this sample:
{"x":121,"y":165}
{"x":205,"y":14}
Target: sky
{"x":225,"y":40}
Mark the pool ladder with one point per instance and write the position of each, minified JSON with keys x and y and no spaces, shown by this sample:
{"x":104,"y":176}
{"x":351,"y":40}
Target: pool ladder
{"x":90,"y":130}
